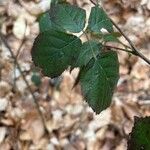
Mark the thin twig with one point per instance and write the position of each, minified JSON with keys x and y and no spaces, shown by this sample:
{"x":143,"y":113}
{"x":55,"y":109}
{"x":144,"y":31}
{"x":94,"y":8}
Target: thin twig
{"x":134,"y":49}
{"x":121,"y":49}
{"x":131,"y":44}
{"x":15,"y":61}
{"x":22,"y":42}
{"x":124,"y":44}
{"x":18,"y":52}
{"x":25,"y":80}
{"x":93,"y":2}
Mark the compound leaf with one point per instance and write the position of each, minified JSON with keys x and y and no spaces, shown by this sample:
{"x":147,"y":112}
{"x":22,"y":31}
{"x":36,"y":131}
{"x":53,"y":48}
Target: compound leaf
{"x":98,"y":80}
{"x":98,"y":19}
{"x":54,"y":51}
{"x":140,"y":135}
{"x":69,"y":17}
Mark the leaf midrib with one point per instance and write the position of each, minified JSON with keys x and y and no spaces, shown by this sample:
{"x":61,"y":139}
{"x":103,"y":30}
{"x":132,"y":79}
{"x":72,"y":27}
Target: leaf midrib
{"x":107,"y":79}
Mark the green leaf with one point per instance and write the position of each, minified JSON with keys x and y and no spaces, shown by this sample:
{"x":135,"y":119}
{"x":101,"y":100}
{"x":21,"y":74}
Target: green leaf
{"x":69,"y":17}
{"x":98,"y":80}
{"x":89,"y":50}
{"x":54,"y":51}
{"x":46,"y":23}
{"x":140,"y":135}
{"x":57,"y":1}
{"x":98,"y":19}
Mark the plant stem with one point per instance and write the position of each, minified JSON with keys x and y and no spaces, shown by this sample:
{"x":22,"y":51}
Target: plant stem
{"x":134,"y":49}
{"x":121,"y":49}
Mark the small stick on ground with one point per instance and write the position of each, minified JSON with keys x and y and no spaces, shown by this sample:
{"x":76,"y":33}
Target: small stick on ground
{"x":18,"y":51}
{"x":25,"y":80}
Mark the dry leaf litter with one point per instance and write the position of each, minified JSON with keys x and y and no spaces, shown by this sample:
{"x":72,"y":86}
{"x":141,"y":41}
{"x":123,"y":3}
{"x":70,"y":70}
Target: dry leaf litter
{"x":70,"y":123}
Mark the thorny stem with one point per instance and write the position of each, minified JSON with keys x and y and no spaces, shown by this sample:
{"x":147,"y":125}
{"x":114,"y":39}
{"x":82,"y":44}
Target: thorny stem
{"x":134,"y":49}
{"x":25,"y":80}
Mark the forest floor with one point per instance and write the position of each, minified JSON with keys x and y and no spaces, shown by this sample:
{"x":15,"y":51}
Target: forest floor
{"x":69,"y":124}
